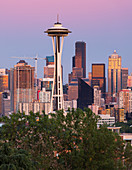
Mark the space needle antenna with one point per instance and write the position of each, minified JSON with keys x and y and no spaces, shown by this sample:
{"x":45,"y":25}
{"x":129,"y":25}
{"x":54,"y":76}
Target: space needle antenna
{"x":57,"y":18}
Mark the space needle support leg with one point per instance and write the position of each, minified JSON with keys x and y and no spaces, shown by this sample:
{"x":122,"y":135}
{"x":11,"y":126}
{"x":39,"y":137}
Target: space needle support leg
{"x":51,"y":103}
{"x":61,"y":86}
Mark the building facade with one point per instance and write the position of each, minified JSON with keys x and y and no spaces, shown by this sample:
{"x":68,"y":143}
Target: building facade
{"x":80,"y":56}
{"x":21,"y":84}
{"x":98,"y":77}
{"x":129,"y":81}
{"x":124,"y":77}
{"x":125,"y":100}
{"x":73,"y":88}
{"x":97,"y":96}
{"x":85,"y":94}
{"x":114,"y":74}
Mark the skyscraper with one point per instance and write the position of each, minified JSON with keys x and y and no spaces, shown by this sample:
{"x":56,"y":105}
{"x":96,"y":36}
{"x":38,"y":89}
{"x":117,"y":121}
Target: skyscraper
{"x":4,"y":80}
{"x":4,"y":84}
{"x":85,"y":94}
{"x":80,"y":56}
{"x":21,"y":84}
{"x":114,"y":73}
{"x":49,"y":68}
{"x":98,"y":77}
{"x":78,"y":62}
{"x":124,"y":77}
{"x":129,"y":81}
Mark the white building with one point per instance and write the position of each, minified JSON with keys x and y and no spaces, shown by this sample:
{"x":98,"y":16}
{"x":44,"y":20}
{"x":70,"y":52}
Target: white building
{"x":125,"y":100}
{"x":44,"y":96}
{"x":70,"y":104}
{"x":106,"y":119}
{"x":94,"y":108}
{"x":34,"y":107}
{"x":97,"y":96}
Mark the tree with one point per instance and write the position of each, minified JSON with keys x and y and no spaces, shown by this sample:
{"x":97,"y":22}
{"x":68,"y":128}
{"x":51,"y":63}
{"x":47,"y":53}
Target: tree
{"x":81,"y":145}
{"x":64,"y":140}
{"x":15,"y":159}
{"x":128,"y":156}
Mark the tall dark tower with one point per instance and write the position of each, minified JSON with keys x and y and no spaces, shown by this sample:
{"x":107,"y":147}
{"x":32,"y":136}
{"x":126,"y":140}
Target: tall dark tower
{"x":80,"y":56}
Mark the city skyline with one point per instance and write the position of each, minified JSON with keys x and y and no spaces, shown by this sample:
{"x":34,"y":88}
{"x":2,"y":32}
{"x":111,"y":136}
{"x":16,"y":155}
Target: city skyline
{"x":104,"y":26}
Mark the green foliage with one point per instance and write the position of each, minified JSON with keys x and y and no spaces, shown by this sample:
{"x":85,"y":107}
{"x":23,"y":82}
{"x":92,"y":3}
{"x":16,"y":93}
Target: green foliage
{"x":125,"y":127}
{"x":14,"y":159}
{"x":128,"y":156}
{"x":63,"y":141}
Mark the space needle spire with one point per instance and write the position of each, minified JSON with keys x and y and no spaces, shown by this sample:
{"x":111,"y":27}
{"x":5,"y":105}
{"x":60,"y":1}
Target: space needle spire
{"x":57,"y":33}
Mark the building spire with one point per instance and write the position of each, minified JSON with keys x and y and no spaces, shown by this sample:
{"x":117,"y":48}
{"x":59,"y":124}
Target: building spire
{"x":57,"y":18}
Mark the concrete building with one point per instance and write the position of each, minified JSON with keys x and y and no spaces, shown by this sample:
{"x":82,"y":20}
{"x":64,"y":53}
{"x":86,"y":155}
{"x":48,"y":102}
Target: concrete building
{"x":49,"y":60}
{"x":120,"y":115}
{"x":90,"y":78}
{"x":70,"y":104}
{"x":94,"y":108}
{"x":47,"y":83}
{"x":124,"y":77}
{"x":44,"y":96}
{"x":97,"y":96}
{"x":6,"y":103}
{"x":34,"y":107}
{"x":78,"y":62}
{"x":73,"y":88}
{"x":98,"y":77}
{"x":80,"y":56}
{"x":49,"y":71}
{"x":21,"y":84}
{"x":4,"y":80}
{"x":85,"y":94}
{"x":4,"y":85}
{"x":106,"y":119}
{"x":114,"y":74}
{"x":129,"y":81}
{"x":125,"y":100}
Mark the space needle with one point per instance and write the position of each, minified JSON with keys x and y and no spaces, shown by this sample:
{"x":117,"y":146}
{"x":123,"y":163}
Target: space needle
{"x":57,"y":33}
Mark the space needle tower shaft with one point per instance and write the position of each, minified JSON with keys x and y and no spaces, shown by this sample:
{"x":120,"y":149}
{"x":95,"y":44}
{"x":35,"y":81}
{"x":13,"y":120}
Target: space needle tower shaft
{"x":57,"y":33}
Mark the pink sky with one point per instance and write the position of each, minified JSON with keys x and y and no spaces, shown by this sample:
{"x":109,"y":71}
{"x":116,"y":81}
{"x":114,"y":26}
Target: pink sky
{"x":104,"y":25}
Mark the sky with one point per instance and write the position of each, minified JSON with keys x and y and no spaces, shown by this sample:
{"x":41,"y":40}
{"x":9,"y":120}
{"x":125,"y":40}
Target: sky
{"x":105,"y":26}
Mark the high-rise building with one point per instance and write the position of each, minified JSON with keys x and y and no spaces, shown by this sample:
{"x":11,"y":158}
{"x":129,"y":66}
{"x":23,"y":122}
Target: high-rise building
{"x":44,"y":96}
{"x":124,"y":77}
{"x":73,"y":88}
{"x":49,"y":68}
{"x":97,"y":96}
{"x":4,"y":85}
{"x":78,"y":62}
{"x":129,"y":81}
{"x":21,"y":84}
{"x":73,"y":61}
{"x":98,"y":77}
{"x":49,"y":71}
{"x":85,"y":94}
{"x":80,"y":56}
{"x":6,"y":103}
{"x":49,"y":60}
{"x":4,"y":79}
{"x":90,"y":78}
{"x":125,"y":100}
{"x":114,"y":74}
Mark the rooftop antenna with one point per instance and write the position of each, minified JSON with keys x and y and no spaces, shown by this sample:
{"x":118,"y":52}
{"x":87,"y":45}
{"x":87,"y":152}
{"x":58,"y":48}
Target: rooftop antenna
{"x":57,"y":18}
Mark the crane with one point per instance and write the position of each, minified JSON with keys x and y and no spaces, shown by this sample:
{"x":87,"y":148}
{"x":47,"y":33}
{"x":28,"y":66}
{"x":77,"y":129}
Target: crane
{"x":36,"y":65}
